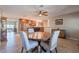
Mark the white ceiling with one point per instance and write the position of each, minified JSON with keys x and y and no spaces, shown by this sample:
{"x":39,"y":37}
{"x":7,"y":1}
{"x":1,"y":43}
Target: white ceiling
{"x":17,"y":11}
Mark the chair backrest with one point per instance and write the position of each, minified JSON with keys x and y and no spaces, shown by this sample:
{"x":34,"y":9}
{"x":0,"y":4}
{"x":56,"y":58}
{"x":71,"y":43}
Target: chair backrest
{"x":47,"y":29}
{"x":54,"y":38}
{"x":30,"y":30}
{"x":25,"y":41}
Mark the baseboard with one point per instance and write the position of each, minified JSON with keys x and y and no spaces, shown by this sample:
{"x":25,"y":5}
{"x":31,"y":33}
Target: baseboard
{"x":72,"y":38}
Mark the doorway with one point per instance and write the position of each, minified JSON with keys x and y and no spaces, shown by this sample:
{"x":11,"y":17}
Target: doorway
{"x":11,"y":25}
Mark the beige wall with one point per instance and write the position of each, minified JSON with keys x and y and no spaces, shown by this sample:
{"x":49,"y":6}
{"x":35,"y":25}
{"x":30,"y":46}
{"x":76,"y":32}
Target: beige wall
{"x":70,"y":24}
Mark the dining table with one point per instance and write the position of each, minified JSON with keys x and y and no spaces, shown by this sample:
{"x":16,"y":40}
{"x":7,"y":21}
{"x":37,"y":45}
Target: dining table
{"x":39,"y":36}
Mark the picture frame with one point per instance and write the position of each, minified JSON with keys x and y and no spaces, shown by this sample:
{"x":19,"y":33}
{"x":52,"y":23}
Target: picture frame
{"x":59,"y":21}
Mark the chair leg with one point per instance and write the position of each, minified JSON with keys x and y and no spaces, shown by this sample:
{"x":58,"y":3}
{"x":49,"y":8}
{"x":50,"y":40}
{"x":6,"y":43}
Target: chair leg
{"x":50,"y":51}
{"x":43,"y":49}
{"x":26,"y":51}
{"x":56,"y":50}
{"x":35,"y":49}
{"x":22,"y":50}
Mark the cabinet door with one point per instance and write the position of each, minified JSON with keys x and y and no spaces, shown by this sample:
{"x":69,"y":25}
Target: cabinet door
{"x":62,"y":34}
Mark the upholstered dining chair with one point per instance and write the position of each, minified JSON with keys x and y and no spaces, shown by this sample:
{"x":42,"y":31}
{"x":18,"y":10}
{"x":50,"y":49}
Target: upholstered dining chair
{"x":30,"y":30}
{"x":52,"y":43}
{"x":26,"y":43}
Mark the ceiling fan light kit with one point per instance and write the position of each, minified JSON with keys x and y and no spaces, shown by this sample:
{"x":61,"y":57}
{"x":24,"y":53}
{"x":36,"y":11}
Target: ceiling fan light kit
{"x":40,"y":14}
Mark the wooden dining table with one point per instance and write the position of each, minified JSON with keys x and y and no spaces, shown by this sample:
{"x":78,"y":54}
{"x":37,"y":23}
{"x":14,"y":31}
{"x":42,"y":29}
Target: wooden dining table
{"x":39,"y":36}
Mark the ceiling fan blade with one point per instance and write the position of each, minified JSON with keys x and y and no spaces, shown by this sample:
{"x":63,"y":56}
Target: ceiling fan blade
{"x":45,"y":13}
{"x":41,"y":12}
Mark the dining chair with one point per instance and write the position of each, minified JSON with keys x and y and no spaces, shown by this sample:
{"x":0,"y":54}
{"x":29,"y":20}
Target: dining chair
{"x":26,"y":43}
{"x":52,"y":43}
{"x":30,"y":30}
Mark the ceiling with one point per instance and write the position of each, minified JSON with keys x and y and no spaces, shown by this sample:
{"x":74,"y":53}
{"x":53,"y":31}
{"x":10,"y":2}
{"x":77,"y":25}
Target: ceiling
{"x":17,"y":11}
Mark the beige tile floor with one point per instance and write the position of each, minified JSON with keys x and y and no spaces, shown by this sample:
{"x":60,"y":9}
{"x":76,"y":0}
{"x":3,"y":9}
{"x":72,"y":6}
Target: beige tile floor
{"x":13,"y":45}
{"x":68,"y":46}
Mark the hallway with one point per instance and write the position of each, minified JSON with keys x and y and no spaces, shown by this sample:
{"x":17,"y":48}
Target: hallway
{"x":9,"y":46}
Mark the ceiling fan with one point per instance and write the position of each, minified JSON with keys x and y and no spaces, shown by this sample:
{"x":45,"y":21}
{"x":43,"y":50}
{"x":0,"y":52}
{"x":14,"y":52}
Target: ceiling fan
{"x":43,"y":13}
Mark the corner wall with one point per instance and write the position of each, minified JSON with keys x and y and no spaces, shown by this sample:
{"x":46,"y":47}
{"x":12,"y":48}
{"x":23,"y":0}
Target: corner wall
{"x":70,"y":24}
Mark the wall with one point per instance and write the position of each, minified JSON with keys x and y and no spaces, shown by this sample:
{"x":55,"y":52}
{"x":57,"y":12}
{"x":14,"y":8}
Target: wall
{"x":70,"y":24}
